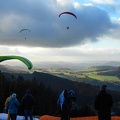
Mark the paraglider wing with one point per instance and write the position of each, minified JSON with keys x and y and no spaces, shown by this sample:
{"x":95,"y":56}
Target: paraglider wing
{"x":22,"y":59}
{"x":24,"y":29}
{"x":68,"y":13}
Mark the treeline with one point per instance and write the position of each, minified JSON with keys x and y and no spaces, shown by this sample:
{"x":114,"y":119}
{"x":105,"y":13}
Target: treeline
{"x":46,"y":98}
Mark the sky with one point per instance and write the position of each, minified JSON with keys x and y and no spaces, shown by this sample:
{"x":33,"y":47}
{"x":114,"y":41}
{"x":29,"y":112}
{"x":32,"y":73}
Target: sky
{"x":93,"y":36}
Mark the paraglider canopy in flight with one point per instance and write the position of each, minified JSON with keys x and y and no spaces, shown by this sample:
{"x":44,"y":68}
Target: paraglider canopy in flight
{"x":24,"y":30}
{"x":70,"y":13}
{"x":22,"y":59}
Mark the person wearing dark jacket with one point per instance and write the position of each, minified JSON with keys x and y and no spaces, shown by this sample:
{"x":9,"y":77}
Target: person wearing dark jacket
{"x":28,"y":102}
{"x":64,"y":105}
{"x":103,"y":104}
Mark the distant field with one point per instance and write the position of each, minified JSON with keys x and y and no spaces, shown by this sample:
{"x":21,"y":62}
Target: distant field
{"x":76,"y":75}
{"x":103,"y":77}
{"x":92,"y":75}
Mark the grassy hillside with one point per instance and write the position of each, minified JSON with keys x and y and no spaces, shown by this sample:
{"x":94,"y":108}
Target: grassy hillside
{"x":104,"y":78}
{"x":95,"y":75}
{"x":85,"y":92}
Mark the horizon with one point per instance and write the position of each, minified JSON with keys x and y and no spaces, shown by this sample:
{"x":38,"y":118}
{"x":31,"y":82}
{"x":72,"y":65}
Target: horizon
{"x":61,"y":64}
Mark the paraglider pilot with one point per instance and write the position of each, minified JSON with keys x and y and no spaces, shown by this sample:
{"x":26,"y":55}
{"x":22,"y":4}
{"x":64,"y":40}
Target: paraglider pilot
{"x":64,"y":104}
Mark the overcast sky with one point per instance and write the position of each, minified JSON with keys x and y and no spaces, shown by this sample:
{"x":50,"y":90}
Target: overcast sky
{"x":93,"y":36}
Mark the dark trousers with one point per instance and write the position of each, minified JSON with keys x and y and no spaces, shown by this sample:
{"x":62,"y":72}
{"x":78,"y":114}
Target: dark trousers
{"x":65,"y":115}
{"x":65,"y":118}
{"x":28,"y":113}
{"x":13,"y":116}
{"x":104,"y":115}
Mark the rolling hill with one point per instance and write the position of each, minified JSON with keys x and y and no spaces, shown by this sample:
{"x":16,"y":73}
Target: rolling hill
{"x":85,"y":91}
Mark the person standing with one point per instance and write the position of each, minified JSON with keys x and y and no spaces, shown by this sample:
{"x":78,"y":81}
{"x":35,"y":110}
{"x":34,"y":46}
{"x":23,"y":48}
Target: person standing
{"x":28,"y":102}
{"x":63,"y":105}
{"x":103,"y":104}
{"x":13,"y":104}
{"x":6,"y":105}
{"x":72,"y":104}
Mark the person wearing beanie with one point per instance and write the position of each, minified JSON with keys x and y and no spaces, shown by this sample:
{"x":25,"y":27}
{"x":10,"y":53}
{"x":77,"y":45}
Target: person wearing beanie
{"x":28,"y":102}
{"x":103,"y":104}
{"x":6,"y":105}
{"x":13,"y":105}
{"x":103,"y":87}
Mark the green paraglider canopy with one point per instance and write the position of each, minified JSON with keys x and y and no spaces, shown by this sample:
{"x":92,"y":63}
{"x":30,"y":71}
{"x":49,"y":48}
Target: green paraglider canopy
{"x":22,"y":59}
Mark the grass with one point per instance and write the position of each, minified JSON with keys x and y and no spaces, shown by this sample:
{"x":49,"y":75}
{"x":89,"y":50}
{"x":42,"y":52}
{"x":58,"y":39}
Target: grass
{"x":76,"y":75}
{"x":104,"y":77}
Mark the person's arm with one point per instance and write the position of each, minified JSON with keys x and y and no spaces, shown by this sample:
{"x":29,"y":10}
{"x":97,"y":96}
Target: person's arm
{"x":17,"y":103}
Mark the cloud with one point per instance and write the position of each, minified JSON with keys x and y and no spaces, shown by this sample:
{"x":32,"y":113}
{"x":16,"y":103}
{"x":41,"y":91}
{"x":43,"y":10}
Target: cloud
{"x":103,"y":1}
{"x":102,"y":52}
{"x":47,"y":29}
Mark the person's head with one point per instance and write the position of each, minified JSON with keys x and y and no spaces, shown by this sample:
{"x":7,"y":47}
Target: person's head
{"x":103,"y":88}
{"x":71,"y":92}
{"x":14,"y":95}
{"x":71,"y":95}
{"x":28,"y":91}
